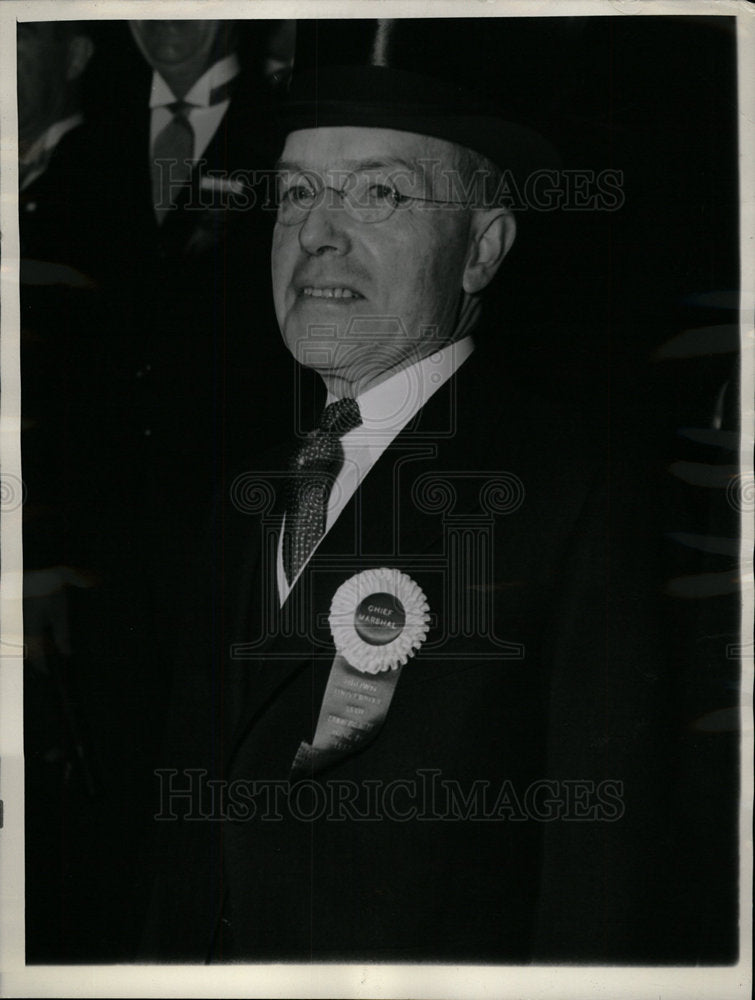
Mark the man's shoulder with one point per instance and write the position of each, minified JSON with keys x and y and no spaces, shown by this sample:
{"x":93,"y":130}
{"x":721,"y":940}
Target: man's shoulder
{"x":246,"y":139}
{"x":500,"y":417}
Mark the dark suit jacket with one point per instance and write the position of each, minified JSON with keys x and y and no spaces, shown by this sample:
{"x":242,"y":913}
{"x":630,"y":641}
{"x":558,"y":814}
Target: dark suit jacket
{"x":191,"y":342}
{"x":542,"y":663}
{"x":194,"y":306}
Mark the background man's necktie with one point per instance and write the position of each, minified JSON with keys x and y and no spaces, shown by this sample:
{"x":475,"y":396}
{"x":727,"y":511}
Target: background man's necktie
{"x":174,"y":145}
{"x":311,"y":476}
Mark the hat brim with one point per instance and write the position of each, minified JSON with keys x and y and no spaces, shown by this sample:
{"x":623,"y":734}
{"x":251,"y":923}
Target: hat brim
{"x":376,"y":97}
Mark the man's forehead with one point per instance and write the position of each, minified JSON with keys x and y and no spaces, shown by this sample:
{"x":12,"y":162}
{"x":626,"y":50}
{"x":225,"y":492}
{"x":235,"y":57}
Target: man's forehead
{"x":351,"y":148}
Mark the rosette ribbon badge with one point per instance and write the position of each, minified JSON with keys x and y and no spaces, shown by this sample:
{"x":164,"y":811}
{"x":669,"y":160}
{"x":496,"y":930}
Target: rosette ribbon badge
{"x":378,"y":619}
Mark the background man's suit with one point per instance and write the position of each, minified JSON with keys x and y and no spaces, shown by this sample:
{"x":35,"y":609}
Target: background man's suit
{"x":203,"y":293}
{"x":580,"y":704}
{"x":191,"y":307}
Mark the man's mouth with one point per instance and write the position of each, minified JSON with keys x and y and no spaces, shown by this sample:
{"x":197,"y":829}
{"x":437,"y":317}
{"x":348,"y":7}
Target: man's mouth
{"x":334,"y":292}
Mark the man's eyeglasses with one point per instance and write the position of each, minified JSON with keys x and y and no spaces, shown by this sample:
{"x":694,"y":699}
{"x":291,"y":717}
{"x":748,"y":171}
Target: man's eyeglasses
{"x":364,"y":198}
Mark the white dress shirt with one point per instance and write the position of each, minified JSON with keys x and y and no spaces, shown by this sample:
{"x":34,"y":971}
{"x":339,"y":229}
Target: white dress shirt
{"x":385,"y":409}
{"x":203,"y":117}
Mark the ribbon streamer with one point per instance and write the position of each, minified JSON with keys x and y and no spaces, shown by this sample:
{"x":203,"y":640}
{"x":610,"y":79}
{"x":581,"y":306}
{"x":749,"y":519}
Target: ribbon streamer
{"x":354,"y":708}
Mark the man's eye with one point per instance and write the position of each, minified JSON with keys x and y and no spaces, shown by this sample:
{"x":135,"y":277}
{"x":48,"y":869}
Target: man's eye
{"x":297,"y":194}
{"x":379,"y":194}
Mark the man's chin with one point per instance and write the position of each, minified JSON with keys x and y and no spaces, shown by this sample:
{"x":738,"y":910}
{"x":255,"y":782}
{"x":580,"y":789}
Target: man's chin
{"x":355,"y":366}
{"x":323,"y":355}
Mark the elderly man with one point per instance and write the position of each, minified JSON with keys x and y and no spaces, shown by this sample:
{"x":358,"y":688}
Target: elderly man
{"x":438,"y":737}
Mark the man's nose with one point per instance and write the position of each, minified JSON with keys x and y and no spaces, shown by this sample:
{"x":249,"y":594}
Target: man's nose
{"x":326,"y":227}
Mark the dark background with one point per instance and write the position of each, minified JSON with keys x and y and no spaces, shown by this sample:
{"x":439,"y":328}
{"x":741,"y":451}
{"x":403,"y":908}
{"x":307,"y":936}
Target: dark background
{"x":585,"y":301}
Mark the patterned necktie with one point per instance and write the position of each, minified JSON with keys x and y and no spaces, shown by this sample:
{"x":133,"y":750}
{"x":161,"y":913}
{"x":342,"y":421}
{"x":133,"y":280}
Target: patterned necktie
{"x":172,"y":156}
{"x":311,"y":476}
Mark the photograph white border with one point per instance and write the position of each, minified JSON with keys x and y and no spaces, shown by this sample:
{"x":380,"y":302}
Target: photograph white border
{"x":428,"y":981}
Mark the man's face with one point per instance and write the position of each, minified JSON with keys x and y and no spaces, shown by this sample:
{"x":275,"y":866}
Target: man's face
{"x":355,"y":299}
{"x":171,"y":45}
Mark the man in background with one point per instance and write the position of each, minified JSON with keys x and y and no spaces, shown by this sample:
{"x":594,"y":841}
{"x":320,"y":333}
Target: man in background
{"x":195,"y":71}
{"x":197,"y":143}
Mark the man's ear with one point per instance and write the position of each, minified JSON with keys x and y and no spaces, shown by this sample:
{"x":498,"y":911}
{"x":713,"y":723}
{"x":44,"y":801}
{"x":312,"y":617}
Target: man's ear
{"x":492,"y":234}
{"x":80,"y":52}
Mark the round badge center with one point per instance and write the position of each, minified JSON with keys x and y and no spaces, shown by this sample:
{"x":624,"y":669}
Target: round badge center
{"x":379,"y":619}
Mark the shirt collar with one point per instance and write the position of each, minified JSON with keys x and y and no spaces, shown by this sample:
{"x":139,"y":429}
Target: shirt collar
{"x":221,"y":72}
{"x":388,"y":407}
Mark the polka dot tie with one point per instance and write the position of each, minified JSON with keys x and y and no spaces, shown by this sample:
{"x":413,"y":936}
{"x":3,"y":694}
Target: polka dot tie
{"x":311,"y":476}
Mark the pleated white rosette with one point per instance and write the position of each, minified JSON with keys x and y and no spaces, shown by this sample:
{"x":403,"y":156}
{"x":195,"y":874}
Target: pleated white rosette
{"x":350,"y":608}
